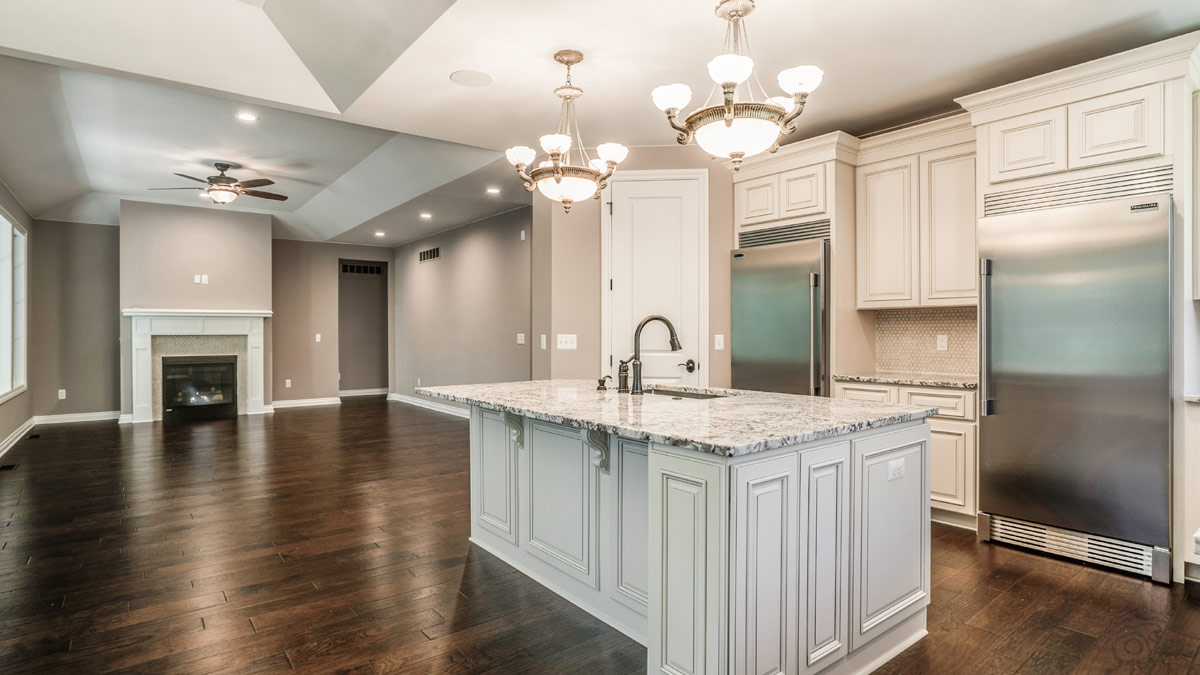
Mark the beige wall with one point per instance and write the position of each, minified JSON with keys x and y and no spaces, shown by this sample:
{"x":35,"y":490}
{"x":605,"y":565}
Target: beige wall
{"x":305,"y":289}
{"x":363,"y":327}
{"x":74,"y":318}
{"x":573,"y":267}
{"x":457,"y":317}
{"x":17,"y":410}
{"x":163,"y":246}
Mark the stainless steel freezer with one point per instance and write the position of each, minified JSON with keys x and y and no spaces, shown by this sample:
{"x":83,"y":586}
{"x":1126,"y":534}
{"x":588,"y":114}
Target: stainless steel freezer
{"x":1075,"y":380}
{"x":779,"y":338}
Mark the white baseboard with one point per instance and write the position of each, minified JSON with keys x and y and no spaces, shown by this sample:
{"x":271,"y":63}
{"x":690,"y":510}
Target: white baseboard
{"x":125,"y":418}
{"x":363,"y":392}
{"x":431,"y":405}
{"x":952,"y":518}
{"x":304,"y":402}
{"x":68,"y":418}
{"x":15,"y":436}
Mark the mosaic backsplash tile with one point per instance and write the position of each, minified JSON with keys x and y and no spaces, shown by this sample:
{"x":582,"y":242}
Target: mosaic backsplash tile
{"x":906,"y":341}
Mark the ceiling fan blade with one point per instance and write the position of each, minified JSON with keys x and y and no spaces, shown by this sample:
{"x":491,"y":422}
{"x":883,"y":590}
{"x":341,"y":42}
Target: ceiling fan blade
{"x":264,"y":195}
{"x":257,"y":182}
{"x":174,"y":188}
{"x":198,"y":180}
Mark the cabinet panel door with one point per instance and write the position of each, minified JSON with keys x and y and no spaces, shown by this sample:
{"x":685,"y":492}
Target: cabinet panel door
{"x":629,"y":582}
{"x":824,"y":558}
{"x":949,"y":273}
{"x":952,"y":465}
{"x":560,"y":506}
{"x":1028,"y":145}
{"x":757,"y":201}
{"x":765,"y":526}
{"x":803,"y":191}
{"x":890,"y":562}
{"x":876,"y":393}
{"x":886,"y":194}
{"x":496,"y":466}
{"x":1117,"y":127}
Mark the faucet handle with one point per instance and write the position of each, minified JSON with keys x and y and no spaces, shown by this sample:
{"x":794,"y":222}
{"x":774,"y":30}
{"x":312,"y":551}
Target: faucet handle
{"x":600,"y":384}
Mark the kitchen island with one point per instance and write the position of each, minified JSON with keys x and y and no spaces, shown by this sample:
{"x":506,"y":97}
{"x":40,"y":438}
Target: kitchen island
{"x":728,"y":531}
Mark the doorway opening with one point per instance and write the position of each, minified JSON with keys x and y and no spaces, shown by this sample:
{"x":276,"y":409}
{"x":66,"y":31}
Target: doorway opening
{"x":362,"y":327}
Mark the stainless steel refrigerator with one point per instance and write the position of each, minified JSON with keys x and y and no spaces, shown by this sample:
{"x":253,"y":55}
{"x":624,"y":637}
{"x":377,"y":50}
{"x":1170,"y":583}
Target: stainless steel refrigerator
{"x":1075,"y":381}
{"x":779,"y":339}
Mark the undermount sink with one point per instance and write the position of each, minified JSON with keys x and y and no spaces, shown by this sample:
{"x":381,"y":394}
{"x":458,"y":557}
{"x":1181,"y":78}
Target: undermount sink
{"x":679,"y":393}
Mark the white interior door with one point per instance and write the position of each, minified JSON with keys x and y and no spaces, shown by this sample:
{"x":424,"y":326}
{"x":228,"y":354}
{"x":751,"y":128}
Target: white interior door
{"x":658,"y":264}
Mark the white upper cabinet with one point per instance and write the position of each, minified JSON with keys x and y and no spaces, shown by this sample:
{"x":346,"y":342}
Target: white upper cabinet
{"x":802,"y":191}
{"x":757,"y":201}
{"x":1116,"y":128}
{"x":790,"y":194}
{"x":948,"y":269}
{"x":887,"y":212}
{"x":1028,"y":145}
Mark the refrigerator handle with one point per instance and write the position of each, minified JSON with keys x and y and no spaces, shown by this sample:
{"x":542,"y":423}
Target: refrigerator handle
{"x":985,"y":353}
{"x":814,"y":288}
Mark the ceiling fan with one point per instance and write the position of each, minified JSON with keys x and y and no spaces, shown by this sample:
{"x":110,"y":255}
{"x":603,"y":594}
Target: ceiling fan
{"x":224,"y":189}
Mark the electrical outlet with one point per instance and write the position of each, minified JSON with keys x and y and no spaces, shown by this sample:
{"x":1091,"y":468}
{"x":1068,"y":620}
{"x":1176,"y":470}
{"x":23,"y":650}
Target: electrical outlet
{"x":62,"y":394}
{"x":520,"y":338}
{"x":418,"y":381}
{"x":204,"y":279}
{"x":567,"y":341}
{"x":943,"y":343}
{"x":718,"y":342}
{"x":543,"y":342}
{"x":896,"y":469}
{"x":318,"y":337}
{"x":287,"y":384}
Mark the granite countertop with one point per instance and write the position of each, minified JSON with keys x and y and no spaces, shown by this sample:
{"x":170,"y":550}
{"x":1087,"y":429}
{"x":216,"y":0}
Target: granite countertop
{"x":913,"y":379}
{"x":737,"y":423}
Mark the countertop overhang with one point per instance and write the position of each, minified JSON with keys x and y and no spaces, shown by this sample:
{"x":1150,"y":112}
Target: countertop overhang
{"x":735,"y":423}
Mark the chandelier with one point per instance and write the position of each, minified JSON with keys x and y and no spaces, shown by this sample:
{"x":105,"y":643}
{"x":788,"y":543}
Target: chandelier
{"x":557,"y":177}
{"x":736,"y":128}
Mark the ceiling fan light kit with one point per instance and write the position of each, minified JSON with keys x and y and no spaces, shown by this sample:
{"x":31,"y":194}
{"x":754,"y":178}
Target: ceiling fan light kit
{"x":557,"y":177}
{"x":735,"y":128}
{"x":222,"y":189}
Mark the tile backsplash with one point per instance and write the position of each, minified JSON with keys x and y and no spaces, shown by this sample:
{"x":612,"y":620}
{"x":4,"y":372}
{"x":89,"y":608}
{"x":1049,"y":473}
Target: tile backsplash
{"x":906,"y":341}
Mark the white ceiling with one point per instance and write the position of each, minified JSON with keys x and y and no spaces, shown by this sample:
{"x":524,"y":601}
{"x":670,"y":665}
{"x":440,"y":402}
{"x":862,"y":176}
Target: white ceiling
{"x":109,"y":97}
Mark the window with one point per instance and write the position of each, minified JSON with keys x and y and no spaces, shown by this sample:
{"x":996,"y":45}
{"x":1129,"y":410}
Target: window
{"x":12,"y":307}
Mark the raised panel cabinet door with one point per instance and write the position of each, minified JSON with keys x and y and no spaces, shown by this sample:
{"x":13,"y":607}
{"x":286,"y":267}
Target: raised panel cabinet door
{"x":560,"y":508}
{"x":802,"y":191}
{"x":756,"y":200}
{"x":824,"y":558}
{"x":765,"y":525}
{"x":1028,"y":145}
{"x":889,"y":532}
{"x":876,"y":393}
{"x":1115,"y":128}
{"x":949,"y":273}
{"x":627,"y":573}
{"x":952,"y":465}
{"x":886,"y":194}
{"x":495,"y":472}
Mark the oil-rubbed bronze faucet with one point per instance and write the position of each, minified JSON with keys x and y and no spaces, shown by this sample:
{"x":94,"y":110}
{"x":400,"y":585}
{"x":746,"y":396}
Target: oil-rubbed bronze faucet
{"x":636,"y":389}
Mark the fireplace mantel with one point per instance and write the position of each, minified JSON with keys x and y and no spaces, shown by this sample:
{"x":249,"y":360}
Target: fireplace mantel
{"x":148,"y":322}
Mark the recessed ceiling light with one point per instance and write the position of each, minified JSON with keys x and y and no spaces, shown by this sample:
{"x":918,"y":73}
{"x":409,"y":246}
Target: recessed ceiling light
{"x":426,"y":216}
{"x":470,"y":78}
{"x":378,"y":234}
{"x":493,"y":191}
{"x":247,"y":117}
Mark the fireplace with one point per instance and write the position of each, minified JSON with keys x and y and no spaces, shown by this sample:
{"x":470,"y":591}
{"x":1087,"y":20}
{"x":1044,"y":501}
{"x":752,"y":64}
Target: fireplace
{"x":199,"y":387}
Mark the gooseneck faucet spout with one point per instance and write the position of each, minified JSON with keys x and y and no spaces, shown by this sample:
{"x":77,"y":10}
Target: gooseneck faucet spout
{"x":636,"y":389}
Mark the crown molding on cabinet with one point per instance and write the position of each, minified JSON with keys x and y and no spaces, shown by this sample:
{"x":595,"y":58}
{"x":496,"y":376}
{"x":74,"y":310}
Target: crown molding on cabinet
{"x":835,"y":145}
{"x":917,"y":138}
{"x":1193,"y":76}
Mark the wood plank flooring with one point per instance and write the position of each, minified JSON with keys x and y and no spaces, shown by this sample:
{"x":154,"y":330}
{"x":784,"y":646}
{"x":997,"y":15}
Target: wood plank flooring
{"x":334,"y":539}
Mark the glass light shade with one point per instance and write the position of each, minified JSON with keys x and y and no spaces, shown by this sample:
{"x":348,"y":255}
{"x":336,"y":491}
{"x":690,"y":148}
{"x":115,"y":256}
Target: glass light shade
{"x":520,"y":154}
{"x":733,"y":68}
{"x":784,"y":102}
{"x":555,"y":143}
{"x":570,"y":187}
{"x":801,"y":79}
{"x":612,"y":152}
{"x":747,"y":136}
{"x":599,"y":164}
{"x":222,"y":195}
{"x":670,"y":96}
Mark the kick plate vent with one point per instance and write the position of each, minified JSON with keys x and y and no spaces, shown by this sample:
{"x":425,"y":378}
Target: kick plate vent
{"x":429,"y":254}
{"x":355,"y":268}
{"x":784,"y":234}
{"x":8,"y":467}
{"x":1069,"y":193}
{"x":1097,"y":550}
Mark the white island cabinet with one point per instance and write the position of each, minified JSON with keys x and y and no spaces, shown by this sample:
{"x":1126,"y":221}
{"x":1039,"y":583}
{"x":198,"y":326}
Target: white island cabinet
{"x":743,"y":533}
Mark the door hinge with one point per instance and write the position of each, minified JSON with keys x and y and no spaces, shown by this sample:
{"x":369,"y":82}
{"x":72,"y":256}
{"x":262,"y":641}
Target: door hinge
{"x":610,"y":360}
{"x":610,"y":208}
{"x":610,"y":284}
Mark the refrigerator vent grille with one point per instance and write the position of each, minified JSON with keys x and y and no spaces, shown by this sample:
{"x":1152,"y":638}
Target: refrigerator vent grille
{"x":1125,"y":184}
{"x":1115,"y":553}
{"x":784,"y":234}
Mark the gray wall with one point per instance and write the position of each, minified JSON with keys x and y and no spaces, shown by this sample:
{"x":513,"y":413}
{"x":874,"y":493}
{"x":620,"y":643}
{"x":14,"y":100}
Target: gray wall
{"x":457,"y":317}
{"x":363,"y":327}
{"x":74,"y":318}
{"x":305,"y":282}
{"x":17,"y":410}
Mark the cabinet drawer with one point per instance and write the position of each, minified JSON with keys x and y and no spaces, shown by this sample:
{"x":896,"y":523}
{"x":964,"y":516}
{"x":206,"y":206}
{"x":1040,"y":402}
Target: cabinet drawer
{"x":956,"y":404}
{"x":1028,"y":145}
{"x":862,"y":391}
{"x":1117,"y":127}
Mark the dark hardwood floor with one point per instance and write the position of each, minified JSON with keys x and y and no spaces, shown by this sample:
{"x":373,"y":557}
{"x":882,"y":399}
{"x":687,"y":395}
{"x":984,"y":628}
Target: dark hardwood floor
{"x":335,"y":539}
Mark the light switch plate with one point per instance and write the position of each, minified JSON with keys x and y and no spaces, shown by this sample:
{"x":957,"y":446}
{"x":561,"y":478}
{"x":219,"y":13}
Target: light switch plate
{"x":567,"y":341}
{"x":287,"y":384}
{"x":520,"y":338}
{"x":318,"y":337}
{"x":718,"y":342}
{"x":943,"y":343}
{"x":195,"y":278}
{"x":896,"y":469}
{"x":522,"y":235}
{"x":543,"y":342}
{"x":62,"y":394}
{"x":204,"y":279}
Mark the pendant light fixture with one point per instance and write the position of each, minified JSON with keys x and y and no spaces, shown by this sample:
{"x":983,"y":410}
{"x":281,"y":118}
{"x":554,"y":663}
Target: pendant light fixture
{"x":738,"y":128}
{"x":557,"y":177}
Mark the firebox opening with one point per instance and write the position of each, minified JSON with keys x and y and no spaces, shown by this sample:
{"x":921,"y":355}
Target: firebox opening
{"x":199,"y":387}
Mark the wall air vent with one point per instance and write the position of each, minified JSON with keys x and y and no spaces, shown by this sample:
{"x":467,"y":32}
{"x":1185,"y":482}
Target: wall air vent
{"x":1090,"y":548}
{"x":784,"y":234}
{"x":1068,"y":193}
{"x":355,"y":268}
{"x":429,"y":254}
